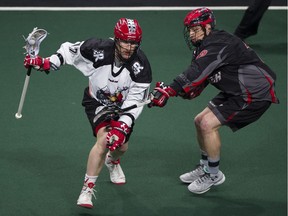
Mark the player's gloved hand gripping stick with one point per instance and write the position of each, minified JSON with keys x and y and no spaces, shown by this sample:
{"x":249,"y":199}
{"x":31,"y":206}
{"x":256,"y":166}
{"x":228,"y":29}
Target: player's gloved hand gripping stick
{"x":119,"y":130}
{"x":112,"y":112}
{"x":32,"y":46}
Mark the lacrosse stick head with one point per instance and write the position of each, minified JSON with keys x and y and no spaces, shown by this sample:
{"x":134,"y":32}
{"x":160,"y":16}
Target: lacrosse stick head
{"x":106,"y":114}
{"x":33,"y":41}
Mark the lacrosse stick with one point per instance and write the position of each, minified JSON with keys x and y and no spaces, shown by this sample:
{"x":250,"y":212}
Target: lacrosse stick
{"x":135,"y":106}
{"x":111,"y":112}
{"x":32,"y":46}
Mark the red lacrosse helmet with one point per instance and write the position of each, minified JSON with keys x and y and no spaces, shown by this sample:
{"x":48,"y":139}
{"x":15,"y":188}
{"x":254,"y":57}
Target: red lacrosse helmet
{"x":128,"y":30}
{"x":200,"y":16}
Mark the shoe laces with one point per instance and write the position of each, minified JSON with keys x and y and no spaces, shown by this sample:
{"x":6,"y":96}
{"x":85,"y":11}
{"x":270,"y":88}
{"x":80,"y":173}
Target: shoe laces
{"x":204,"y":178}
{"x":89,"y":190}
{"x":207,"y":177}
{"x":198,"y":168}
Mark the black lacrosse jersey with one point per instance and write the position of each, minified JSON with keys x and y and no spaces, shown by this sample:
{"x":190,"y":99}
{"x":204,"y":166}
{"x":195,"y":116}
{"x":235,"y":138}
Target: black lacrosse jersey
{"x":230,"y":65}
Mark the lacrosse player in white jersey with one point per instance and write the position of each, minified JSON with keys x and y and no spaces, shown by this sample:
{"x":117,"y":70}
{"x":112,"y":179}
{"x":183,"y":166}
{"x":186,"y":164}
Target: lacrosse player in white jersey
{"x":119,"y":76}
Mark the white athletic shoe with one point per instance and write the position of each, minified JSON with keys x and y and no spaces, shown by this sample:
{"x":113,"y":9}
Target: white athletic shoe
{"x":205,"y":182}
{"x":193,"y":175}
{"x":85,"y":198}
{"x":116,"y":173}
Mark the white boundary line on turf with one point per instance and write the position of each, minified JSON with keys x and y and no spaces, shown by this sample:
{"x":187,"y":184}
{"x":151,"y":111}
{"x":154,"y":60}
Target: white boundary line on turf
{"x":128,"y":8}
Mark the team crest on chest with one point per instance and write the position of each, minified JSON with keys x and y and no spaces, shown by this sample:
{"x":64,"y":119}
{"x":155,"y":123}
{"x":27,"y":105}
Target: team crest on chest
{"x":108,"y":97}
{"x":98,"y":55}
{"x":202,"y":54}
{"x":137,"y":68}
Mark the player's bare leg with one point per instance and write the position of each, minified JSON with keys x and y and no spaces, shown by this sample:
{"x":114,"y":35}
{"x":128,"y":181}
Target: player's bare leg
{"x":97,"y":154}
{"x":199,"y":133}
{"x":207,"y":126}
{"x":119,"y":152}
{"x":200,"y":168}
{"x":208,"y":137}
{"x":94,"y":166}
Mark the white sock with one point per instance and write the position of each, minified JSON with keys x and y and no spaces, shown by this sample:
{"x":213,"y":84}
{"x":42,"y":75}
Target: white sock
{"x":90,"y":179}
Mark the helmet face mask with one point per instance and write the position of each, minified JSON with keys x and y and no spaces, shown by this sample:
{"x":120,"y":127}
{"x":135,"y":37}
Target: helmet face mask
{"x":198,"y":17}
{"x":125,"y":49}
{"x":188,"y":39}
{"x":128,"y":37}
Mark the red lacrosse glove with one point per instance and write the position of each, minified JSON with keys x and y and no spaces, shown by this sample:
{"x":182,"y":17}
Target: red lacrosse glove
{"x":160,"y":95}
{"x":37,"y":63}
{"x":117,"y":136}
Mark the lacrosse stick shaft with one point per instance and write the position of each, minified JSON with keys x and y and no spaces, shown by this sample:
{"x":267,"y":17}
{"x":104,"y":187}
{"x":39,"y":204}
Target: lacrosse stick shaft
{"x":18,"y":115}
{"x":136,"y":105}
{"x":32,"y":47}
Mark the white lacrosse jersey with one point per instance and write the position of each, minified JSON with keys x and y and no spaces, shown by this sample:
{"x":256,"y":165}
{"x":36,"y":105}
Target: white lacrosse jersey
{"x":108,"y":84}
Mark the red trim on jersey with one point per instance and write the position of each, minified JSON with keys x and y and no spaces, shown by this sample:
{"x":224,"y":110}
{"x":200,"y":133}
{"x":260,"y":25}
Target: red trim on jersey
{"x":199,"y":82}
{"x":231,"y":117}
{"x":195,"y":84}
{"x":249,"y":96}
{"x":272,"y":92}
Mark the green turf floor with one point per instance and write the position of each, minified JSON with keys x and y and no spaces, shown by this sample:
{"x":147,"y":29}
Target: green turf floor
{"x":43,"y":155}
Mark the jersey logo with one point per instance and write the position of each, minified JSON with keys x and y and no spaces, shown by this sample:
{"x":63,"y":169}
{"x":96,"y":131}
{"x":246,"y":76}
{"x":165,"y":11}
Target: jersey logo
{"x":215,"y":78}
{"x":202,"y":54}
{"x":136,"y":67}
{"x":98,"y":55}
{"x":108,"y":98}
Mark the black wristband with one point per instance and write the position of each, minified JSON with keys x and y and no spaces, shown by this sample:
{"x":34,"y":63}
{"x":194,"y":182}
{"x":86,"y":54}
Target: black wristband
{"x":60,"y":58}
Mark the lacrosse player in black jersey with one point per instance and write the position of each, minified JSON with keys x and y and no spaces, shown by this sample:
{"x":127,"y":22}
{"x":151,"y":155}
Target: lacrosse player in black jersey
{"x":246,"y":87}
{"x":119,"y":75}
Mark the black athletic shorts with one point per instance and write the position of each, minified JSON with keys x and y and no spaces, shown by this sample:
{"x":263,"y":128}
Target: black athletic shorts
{"x":91,"y":104}
{"x":236,"y":113}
